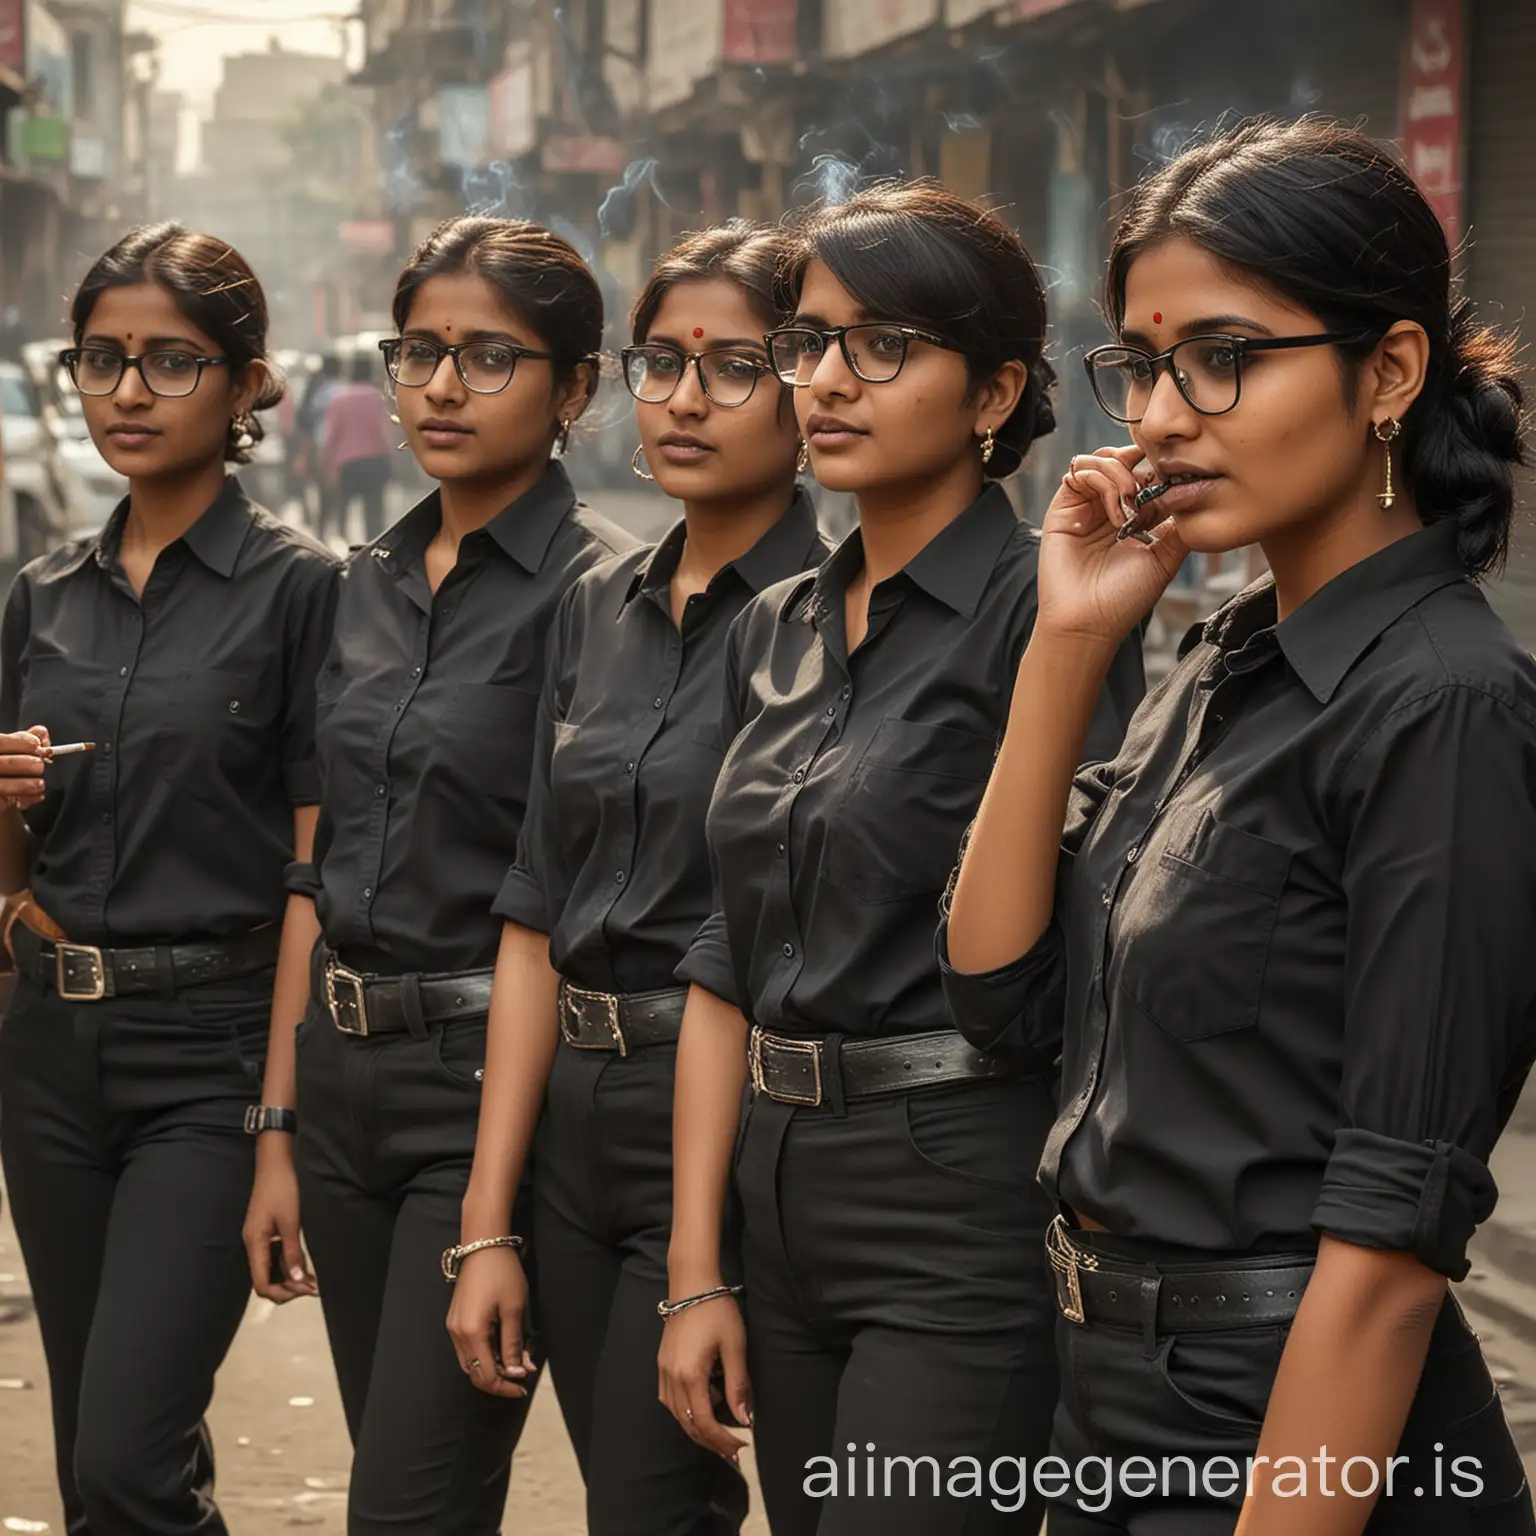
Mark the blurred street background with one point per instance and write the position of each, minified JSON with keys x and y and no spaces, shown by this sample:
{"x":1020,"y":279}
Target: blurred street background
{"x":324,"y":138}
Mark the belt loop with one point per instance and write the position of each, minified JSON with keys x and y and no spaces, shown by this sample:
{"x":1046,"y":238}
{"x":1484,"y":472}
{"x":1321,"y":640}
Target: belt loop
{"x":832,"y":1075}
{"x":165,"y":972}
{"x":1151,"y":1285}
{"x":410,"y":1006}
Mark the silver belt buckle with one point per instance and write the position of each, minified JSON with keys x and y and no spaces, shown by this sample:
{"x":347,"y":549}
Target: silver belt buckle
{"x":574,"y":1002}
{"x":1066,"y":1259}
{"x":791,"y":1047}
{"x":349,"y":1006}
{"x":66,"y":959}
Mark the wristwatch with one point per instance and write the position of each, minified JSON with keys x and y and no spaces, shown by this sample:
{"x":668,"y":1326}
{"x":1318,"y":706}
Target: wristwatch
{"x":264,"y":1117}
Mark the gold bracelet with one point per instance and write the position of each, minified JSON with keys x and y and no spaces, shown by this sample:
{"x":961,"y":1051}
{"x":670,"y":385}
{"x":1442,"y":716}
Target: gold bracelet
{"x":672,"y":1308}
{"x":453,"y":1258}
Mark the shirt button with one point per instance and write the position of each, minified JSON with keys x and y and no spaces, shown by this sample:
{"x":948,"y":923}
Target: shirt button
{"x":778,"y":850}
{"x":799,"y":775}
{"x":106,"y":747}
{"x":415,"y":671}
{"x":655,"y":703}
{"x":831,"y":712}
{"x":367,"y":893}
{"x":380,"y":790}
{"x":618,"y":877}
{"x":399,"y":705}
{"x":106,"y":817}
{"x":234,"y":706}
{"x":1134,"y":854}
{"x":122,"y":671}
{"x":1108,"y":898}
{"x":847,"y":691}
{"x":629,"y":767}
{"x":789,"y":951}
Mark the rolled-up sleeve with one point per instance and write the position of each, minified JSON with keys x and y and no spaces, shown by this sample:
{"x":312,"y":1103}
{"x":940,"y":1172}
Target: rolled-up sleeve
{"x":312,"y":613}
{"x":526,"y":896}
{"x":1439,"y":879}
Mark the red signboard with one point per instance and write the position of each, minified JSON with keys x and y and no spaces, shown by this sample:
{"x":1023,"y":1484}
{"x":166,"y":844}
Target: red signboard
{"x":13,"y":35}
{"x":760,"y":31}
{"x":1431,"y":109}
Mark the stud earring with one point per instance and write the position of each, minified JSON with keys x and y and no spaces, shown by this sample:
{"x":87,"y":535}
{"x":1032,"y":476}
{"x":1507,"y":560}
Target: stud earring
{"x":803,"y":458}
{"x":1386,"y":431}
{"x":988,"y":446}
{"x":636,"y":461}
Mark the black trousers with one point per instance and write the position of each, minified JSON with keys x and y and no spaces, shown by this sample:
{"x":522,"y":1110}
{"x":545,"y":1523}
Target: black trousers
{"x":899,"y":1309}
{"x":129,"y":1173}
{"x":603,"y":1221}
{"x":386,"y":1138}
{"x":1202,"y":1397}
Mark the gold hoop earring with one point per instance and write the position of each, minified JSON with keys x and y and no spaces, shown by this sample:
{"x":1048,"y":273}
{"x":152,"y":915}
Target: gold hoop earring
{"x":988,"y":446}
{"x":1386,"y":431}
{"x":803,"y":458}
{"x":634,"y":463}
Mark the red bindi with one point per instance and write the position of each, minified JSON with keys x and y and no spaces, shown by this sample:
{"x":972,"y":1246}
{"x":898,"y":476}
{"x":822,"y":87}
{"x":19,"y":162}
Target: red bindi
{"x":1157,"y":317}
{"x":698,"y":331}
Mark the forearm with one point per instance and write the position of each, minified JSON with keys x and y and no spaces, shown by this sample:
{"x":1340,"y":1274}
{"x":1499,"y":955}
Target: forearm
{"x":1006,"y":889}
{"x":1346,"y":1381}
{"x":521,"y":1039}
{"x":706,"y":1113}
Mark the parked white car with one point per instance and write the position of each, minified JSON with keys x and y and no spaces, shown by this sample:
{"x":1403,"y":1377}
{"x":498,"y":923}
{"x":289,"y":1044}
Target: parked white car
{"x":32,"y":516}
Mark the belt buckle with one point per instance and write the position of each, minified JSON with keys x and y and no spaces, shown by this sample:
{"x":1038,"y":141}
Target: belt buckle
{"x":573,"y":1005}
{"x":351,"y":1004}
{"x":1066,"y":1259}
{"x":65,"y":957}
{"x":795,"y":1048}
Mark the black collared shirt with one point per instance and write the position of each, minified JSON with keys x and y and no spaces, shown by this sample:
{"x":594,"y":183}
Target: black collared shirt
{"x":841,"y":803}
{"x":612,"y":863}
{"x":428,"y":705}
{"x":1294,"y":924}
{"x":200,"y":697}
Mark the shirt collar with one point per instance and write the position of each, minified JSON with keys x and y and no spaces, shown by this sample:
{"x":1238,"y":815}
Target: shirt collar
{"x":953,"y":567}
{"x":216,"y":538}
{"x":1324,"y":638}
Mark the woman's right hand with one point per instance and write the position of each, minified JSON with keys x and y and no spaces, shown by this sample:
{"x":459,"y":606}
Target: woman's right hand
{"x":485,"y":1319}
{"x":691,"y":1344}
{"x":1092,"y":586}
{"x":23,"y":756}
{"x":272,"y":1223}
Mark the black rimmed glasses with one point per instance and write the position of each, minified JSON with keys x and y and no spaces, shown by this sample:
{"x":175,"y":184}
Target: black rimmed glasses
{"x":169,"y":373}
{"x":1207,"y":370}
{"x":874,"y":351}
{"x":727,"y":376}
{"x":484,"y":367}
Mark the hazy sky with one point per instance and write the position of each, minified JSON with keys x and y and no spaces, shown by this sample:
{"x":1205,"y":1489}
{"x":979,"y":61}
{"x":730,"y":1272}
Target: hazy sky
{"x":196,"y":34}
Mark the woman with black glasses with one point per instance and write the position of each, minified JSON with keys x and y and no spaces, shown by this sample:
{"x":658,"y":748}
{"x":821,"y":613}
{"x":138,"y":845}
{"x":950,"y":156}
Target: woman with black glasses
{"x":612,"y":882}
{"x":1283,"y":947}
{"x":427,"y":709}
{"x":896,"y":1294}
{"x":157,"y":702}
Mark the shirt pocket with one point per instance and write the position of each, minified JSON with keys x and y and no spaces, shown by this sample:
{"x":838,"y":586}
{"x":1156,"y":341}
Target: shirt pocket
{"x":221,"y":721}
{"x":896,"y":827}
{"x":490,"y":738}
{"x":1203,"y":920}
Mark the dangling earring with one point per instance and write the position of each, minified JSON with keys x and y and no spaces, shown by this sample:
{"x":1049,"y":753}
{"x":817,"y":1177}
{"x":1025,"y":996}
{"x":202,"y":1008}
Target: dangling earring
{"x":803,"y":458}
{"x":1385,"y":432}
{"x":988,"y":446}
{"x":565,"y":435}
{"x":634,"y":464}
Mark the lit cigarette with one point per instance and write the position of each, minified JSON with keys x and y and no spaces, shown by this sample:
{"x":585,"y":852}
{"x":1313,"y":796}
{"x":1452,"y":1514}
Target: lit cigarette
{"x":1141,"y":519}
{"x":71,"y":747}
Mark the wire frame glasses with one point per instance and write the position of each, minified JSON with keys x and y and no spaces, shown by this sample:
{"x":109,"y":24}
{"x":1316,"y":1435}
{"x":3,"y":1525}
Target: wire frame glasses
{"x":874,"y":351}
{"x":1206,"y":370}
{"x":171,"y":374}
{"x":652,"y":373}
{"x":484,"y":367}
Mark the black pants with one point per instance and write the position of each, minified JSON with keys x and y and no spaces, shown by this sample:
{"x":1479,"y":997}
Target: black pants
{"x":604,"y":1217}
{"x":1202,"y":1397}
{"x":898,"y":1306}
{"x":386,"y":1138}
{"x":129,"y":1172}
{"x":361,"y":480}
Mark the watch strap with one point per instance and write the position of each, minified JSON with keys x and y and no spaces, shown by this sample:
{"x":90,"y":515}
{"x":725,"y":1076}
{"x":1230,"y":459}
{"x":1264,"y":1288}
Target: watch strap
{"x":267,"y":1117}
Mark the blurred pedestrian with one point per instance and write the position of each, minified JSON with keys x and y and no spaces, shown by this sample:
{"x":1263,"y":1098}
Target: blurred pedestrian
{"x":357,"y":441}
{"x":309,"y":434}
{"x":180,"y":645}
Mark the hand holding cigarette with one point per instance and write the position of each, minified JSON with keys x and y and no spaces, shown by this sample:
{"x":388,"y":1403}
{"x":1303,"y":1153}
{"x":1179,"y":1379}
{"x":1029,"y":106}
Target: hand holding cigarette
{"x":23,"y":757}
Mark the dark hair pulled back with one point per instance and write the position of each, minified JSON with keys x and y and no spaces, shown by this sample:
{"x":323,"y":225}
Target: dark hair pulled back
{"x":539,"y":275}
{"x":1329,"y":219}
{"x":915,"y":251}
{"x":738,"y":252}
{"x":214,"y":288}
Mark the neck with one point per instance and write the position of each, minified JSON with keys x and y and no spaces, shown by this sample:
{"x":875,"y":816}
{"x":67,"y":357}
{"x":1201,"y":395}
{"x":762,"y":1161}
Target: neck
{"x":468,"y":505}
{"x":162,"y":508}
{"x":721,"y":531}
{"x":897,"y":521}
{"x":1306,"y":556}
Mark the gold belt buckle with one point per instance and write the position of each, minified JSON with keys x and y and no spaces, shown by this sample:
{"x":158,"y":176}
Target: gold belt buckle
{"x":64,"y":958}
{"x":1066,"y":1259}
{"x":573,"y":1005}
{"x":794,"y":1048}
{"x":351,"y":1003}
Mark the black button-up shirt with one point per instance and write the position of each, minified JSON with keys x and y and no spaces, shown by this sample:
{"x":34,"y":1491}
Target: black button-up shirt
{"x":428,"y":705}
{"x":612,"y":863}
{"x":841,"y":803}
{"x":1293,"y":931}
{"x":200,"y":697}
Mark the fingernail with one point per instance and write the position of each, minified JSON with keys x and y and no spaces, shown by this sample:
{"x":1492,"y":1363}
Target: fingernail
{"x":295,"y":1273}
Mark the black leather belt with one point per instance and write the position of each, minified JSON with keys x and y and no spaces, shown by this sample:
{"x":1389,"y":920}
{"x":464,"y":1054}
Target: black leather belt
{"x":799,"y":1071}
{"x":87,"y":973}
{"x":381,"y":1005}
{"x":608,"y":1021}
{"x":1096,"y":1288}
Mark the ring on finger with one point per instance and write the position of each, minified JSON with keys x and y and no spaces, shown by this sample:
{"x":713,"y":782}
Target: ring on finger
{"x":689,"y":1413}
{"x":474,"y":1365}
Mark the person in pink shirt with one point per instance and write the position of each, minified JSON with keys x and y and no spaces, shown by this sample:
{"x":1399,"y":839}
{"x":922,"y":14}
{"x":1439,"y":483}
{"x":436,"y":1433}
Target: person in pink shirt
{"x":356,"y":441}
